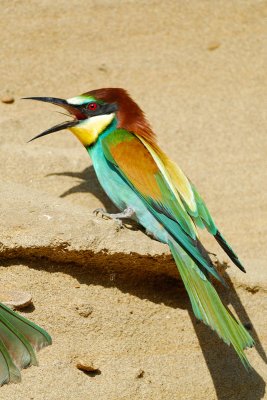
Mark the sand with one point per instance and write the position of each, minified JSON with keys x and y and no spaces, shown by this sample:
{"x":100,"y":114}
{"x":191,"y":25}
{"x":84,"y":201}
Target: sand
{"x":198,"y":69}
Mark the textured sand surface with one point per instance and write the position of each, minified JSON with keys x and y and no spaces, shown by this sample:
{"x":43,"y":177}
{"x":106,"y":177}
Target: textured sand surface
{"x":198,"y":69}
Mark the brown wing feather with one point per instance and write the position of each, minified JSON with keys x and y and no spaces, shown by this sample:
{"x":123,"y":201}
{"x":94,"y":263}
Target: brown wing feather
{"x":138,"y":166}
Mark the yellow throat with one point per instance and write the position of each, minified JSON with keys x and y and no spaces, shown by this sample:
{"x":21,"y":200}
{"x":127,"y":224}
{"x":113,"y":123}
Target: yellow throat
{"x":87,"y":131}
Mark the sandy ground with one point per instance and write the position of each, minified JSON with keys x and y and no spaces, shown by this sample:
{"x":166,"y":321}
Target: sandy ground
{"x":198,"y":69}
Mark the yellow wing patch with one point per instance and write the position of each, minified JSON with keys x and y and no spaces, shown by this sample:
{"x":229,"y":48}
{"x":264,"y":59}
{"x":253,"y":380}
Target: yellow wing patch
{"x":175,"y":177}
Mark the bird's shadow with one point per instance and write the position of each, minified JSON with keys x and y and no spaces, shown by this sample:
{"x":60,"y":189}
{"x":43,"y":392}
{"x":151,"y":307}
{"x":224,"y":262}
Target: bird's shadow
{"x":230,"y":379}
{"x":87,"y":183}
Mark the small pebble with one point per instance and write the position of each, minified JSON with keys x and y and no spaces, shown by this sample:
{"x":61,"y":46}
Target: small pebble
{"x":213,"y":46}
{"x":103,"y":68}
{"x":15,"y":299}
{"x":139,"y":374}
{"x":7,"y":99}
{"x":86,"y":365}
{"x":84,"y":309}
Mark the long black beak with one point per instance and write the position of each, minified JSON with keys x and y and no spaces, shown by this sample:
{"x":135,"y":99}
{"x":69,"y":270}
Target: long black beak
{"x":62,"y":103}
{"x":56,"y":128}
{"x":53,"y":100}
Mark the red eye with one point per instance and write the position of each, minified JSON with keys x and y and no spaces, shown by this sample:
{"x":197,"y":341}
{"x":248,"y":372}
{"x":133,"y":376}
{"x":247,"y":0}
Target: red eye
{"x":92,"y":106}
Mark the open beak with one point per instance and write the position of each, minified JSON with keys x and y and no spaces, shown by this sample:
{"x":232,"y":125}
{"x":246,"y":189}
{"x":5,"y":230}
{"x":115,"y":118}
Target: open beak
{"x":73,"y":110}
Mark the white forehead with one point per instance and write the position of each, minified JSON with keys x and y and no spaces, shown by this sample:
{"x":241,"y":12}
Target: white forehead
{"x":79,"y":100}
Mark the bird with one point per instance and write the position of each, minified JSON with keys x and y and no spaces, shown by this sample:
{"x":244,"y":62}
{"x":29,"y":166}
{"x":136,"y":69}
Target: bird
{"x":151,"y":189}
{"x":19,"y":338}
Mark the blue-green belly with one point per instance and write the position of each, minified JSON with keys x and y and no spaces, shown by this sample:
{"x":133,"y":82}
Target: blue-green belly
{"x":121,"y":194}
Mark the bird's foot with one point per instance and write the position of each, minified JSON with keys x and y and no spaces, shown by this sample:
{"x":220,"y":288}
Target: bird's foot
{"x":127,"y":213}
{"x":101,"y":212}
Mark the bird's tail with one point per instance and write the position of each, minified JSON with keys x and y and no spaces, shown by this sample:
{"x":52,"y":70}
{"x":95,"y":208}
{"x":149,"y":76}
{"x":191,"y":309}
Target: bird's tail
{"x":207,"y":305}
{"x":18,"y":339}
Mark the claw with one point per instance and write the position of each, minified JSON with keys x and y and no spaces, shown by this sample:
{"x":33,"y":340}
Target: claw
{"x":127,"y":213}
{"x":101,"y":212}
{"x":119,"y":224}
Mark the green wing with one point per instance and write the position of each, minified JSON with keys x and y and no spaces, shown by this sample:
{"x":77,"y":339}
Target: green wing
{"x":191,"y":199}
{"x":136,"y":165}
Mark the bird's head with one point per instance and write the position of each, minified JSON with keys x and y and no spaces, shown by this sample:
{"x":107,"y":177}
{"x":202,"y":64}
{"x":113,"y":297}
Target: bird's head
{"x":93,"y":112}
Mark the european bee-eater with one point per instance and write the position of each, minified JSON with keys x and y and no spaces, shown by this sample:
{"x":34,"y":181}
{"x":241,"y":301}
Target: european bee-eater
{"x":148,"y":187}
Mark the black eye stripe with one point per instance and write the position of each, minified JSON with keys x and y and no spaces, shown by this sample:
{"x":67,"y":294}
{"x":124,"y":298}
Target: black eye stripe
{"x":101,"y":109}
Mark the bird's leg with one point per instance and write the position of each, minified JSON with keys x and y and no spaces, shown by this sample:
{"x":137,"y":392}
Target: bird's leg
{"x":127,"y":213}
